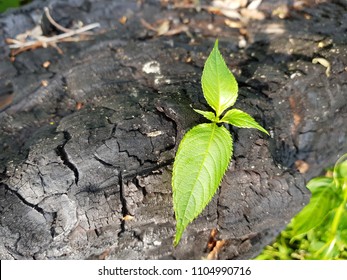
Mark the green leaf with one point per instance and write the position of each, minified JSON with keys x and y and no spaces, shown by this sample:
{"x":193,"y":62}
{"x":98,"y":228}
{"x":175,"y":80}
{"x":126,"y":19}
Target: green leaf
{"x":341,"y":169}
{"x":200,"y":163}
{"x":343,"y":221}
{"x":342,"y":236}
{"x":340,"y":172}
{"x":324,"y":199}
{"x":315,"y":245}
{"x":208,"y":115}
{"x":241,"y":119}
{"x":320,"y":182}
{"x":218,"y":83}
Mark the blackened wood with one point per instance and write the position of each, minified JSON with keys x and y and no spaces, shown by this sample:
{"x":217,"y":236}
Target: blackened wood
{"x":85,"y":161}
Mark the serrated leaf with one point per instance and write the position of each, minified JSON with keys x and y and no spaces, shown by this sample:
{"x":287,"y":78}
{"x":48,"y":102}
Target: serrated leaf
{"x":324,"y":199}
{"x":218,"y":83}
{"x":200,"y":163}
{"x":208,"y":115}
{"x":241,"y":119}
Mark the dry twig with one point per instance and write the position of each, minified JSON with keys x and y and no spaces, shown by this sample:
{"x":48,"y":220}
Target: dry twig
{"x":37,"y":40}
{"x":53,"y":22}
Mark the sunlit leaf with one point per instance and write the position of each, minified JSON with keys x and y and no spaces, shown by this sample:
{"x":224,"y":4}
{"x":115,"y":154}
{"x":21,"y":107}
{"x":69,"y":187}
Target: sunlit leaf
{"x":324,"y":199}
{"x":208,"y":115}
{"x":340,"y":172}
{"x":201,"y":161}
{"x":342,"y":236}
{"x":205,"y":151}
{"x":218,"y":83}
{"x":241,"y":119}
{"x":319,"y":231}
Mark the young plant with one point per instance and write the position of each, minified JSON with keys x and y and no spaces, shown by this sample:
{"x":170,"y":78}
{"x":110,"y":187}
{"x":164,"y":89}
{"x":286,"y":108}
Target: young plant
{"x":319,"y":231}
{"x":205,"y":151}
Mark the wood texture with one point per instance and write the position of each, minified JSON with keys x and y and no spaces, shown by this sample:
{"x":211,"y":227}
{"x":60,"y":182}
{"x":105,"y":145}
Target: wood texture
{"x":85,"y":162}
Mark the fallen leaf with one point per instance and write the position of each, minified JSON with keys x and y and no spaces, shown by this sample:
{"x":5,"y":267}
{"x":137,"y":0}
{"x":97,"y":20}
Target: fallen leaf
{"x":163,"y":28}
{"x":227,"y":4}
{"x":254,"y":4}
{"x":307,"y":16}
{"x":242,"y":42}
{"x":323,"y":62}
{"x":325,"y":43}
{"x":225,"y":12}
{"x":252,"y":14}
{"x":211,"y":243}
{"x":188,"y":59}
{"x":282,"y":12}
{"x":155,"y":133}
{"x":302,"y":166}
{"x":46,"y":64}
{"x":176,"y":30}
{"x":233,"y":23}
{"x":274,"y":28}
{"x":153,"y":26}
{"x":128,"y":218}
{"x":123,"y":20}
{"x":36,"y":32}
{"x":213,"y":255}
{"x":44,"y":83}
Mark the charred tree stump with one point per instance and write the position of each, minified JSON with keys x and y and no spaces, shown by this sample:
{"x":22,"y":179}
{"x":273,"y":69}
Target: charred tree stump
{"x":87,"y":143}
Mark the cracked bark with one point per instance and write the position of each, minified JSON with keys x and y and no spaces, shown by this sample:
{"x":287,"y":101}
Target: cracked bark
{"x":23,"y":200}
{"x":65,"y":158}
{"x":87,"y":168}
{"x":124,"y":204}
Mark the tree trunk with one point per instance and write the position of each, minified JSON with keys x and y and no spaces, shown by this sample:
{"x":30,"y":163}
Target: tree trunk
{"x":87,"y":143}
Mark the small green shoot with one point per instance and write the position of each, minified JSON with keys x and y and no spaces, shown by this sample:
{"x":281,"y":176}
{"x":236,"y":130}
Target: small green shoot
{"x":205,"y":151}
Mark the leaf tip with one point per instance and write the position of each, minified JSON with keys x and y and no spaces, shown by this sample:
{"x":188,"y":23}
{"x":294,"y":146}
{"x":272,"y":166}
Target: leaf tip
{"x":216,"y":43}
{"x":178,"y":235}
{"x":265,"y":131}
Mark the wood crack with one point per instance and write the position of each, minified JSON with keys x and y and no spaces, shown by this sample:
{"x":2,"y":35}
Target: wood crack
{"x":24,"y":201}
{"x":61,"y":152}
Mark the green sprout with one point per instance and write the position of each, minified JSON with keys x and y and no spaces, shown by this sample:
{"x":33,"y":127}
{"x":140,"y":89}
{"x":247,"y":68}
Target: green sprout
{"x":205,"y":151}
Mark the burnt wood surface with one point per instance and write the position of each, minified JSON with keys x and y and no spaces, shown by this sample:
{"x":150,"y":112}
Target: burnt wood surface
{"x":85,"y":161}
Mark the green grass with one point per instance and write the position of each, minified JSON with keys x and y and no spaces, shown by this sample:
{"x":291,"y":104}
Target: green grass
{"x":5,"y":4}
{"x":319,"y":231}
